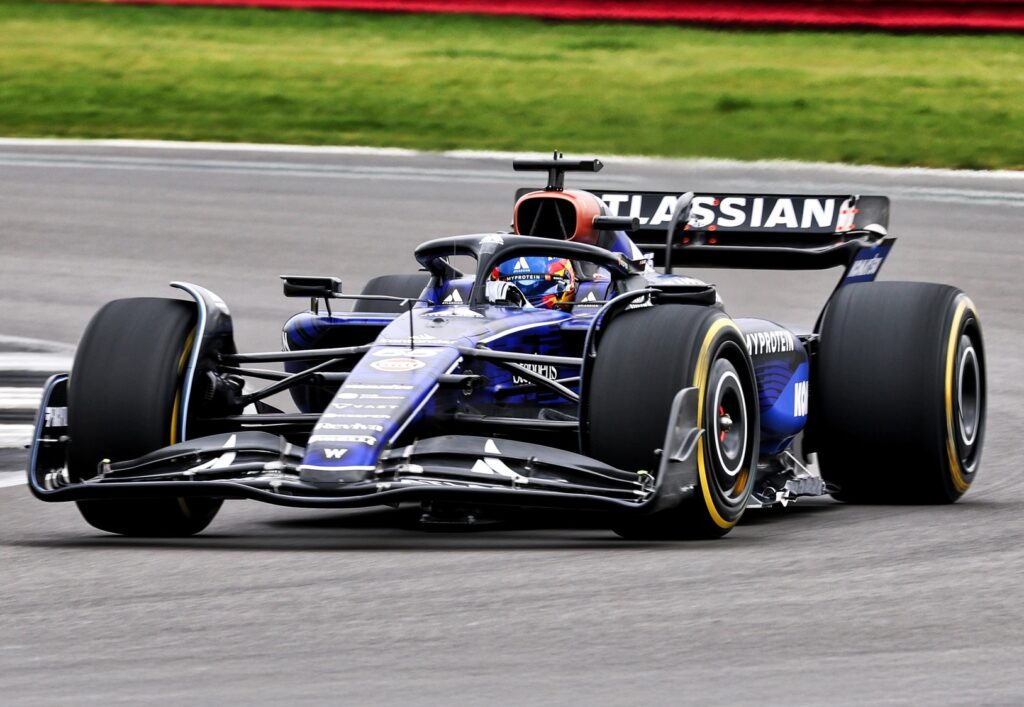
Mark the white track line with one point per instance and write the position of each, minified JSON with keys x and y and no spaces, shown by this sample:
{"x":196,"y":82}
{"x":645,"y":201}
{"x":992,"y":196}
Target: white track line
{"x":33,"y":363}
{"x":15,"y":436}
{"x":784,"y":165}
{"x":20,"y":398}
{"x":49,"y":357}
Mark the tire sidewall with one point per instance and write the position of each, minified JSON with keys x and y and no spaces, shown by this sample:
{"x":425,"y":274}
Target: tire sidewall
{"x":961,"y":459}
{"x":723,"y":341}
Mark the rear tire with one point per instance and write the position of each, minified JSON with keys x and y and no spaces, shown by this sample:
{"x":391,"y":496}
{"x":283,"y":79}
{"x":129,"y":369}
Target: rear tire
{"x":410,"y":286}
{"x":123,"y":397}
{"x":644,"y":359}
{"x":898,"y":393}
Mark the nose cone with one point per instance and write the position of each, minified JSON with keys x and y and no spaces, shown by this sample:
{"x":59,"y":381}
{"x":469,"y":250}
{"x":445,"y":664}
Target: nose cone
{"x":384,"y":393}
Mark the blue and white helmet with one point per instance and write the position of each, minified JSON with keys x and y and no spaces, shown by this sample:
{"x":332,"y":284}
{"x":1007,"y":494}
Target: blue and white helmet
{"x":546,"y":282}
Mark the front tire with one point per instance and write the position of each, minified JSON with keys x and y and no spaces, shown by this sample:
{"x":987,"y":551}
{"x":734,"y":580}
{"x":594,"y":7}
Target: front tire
{"x":123,"y":400}
{"x":644,"y":358}
{"x":898,"y":393}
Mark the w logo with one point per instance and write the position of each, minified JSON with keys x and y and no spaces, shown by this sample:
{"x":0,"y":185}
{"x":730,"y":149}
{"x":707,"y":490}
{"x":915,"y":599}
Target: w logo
{"x":332,"y":453}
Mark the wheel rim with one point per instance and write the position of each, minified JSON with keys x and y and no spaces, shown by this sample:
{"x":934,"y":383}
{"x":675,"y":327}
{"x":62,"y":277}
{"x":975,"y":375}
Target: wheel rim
{"x":969,"y":402}
{"x":728,"y":434}
{"x":968,"y":394}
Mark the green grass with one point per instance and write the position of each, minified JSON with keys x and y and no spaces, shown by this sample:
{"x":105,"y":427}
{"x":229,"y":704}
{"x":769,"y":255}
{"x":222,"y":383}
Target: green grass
{"x":437,"y":82}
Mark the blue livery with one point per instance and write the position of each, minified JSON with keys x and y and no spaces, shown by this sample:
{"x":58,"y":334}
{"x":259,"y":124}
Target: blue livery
{"x":494,"y":388}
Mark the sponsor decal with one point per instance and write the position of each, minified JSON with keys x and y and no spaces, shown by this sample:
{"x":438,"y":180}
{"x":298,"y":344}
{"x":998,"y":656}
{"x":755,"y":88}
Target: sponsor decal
{"x":348,"y":426}
{"x":532,"y":277}
{"x":367,"y":396}
{"x":413,"y":353}
{"x":56,"y":417}
{"x":453,"y":298}
{"x":640,"y":208}
{"x":493,"y":238}
{"x":332,"y":453}
{"x":521,"y":265}
{"x":768,"y":342}
{"x":800,"y":400}
{"x":385,"y":386}
{"x":354,"y":416}
{"x":496,"y":467}
{"x":363,"y":406}
{"x":359,"y":439}
{"x":397,"y":365}
{"x":758,"y":213}
{"x":545,"y":370}
{"x":418,"y":339}
{"x":868,"y":266}
{"x":767,"y":213}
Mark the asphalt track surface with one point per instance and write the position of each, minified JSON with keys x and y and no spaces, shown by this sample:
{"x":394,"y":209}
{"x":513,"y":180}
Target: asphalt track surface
{"x":823,"y":603}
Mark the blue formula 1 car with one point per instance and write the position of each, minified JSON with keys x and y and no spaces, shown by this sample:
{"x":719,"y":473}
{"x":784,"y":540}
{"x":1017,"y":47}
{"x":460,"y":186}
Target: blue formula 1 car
{"x":561,"y":371}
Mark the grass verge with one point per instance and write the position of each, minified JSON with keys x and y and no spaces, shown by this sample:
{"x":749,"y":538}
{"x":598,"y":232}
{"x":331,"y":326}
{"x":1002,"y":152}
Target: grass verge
{"x":442,"y":82}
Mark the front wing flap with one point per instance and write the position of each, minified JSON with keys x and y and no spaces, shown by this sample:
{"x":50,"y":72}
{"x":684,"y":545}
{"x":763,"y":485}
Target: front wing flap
{"x":467,"y":469}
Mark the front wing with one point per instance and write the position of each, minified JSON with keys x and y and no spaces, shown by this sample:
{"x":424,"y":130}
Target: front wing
{"x":456,"y":468}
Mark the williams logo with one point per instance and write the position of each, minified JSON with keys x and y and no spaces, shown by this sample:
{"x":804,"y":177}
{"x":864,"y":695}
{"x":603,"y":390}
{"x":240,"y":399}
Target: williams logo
{"x":800,"y":399}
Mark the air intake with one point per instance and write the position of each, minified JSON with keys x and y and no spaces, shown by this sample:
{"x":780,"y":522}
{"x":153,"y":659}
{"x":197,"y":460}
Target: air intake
{"x":547,"y":218}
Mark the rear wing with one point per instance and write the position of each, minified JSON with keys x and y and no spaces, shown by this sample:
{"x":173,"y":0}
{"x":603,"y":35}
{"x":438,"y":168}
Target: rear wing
{"x":757,"y":231}
{"x":762,"y":231}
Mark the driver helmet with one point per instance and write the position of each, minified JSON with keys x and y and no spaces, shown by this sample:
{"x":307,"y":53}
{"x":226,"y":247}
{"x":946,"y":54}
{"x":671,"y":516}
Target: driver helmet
{"x":547,"y":282}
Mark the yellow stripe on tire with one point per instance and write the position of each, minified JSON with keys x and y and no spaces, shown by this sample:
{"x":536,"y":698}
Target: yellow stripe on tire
{"x":700,"y":375}
{"x":177,"y":395}
{"x":955,"y":470}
